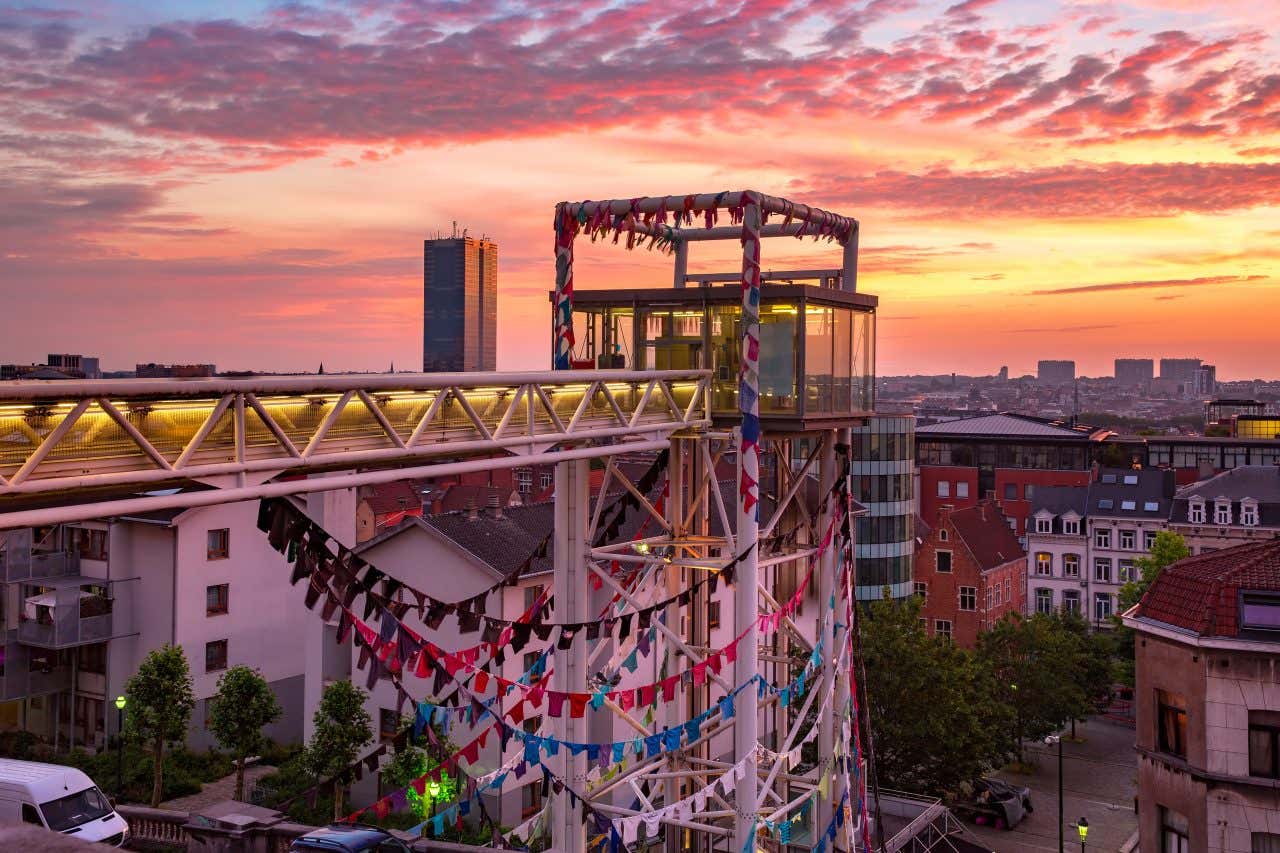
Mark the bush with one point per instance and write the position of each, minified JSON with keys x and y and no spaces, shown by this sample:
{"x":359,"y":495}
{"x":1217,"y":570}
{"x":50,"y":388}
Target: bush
{"x":290,"y":779}
{"x":185,"y":772}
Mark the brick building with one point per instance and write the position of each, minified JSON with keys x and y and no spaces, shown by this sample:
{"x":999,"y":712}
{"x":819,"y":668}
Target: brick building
{"x":1207,"y":658}
{"x":970,"y":570}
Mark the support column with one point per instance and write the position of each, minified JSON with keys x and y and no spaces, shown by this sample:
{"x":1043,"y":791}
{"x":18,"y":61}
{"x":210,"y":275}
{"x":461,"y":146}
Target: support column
{"x":682,"y":263}
{"x":850,"y":265}
{"x":566,"y":230}
{"x":676,"y":579}
{"x":572,"y":595}
{"x":828,"y":583}
{"x":335,"y":511}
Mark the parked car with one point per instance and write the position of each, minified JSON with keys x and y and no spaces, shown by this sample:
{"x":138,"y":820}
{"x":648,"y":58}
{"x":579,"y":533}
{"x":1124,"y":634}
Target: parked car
{"x":996,"y":802}
{"x":59,"y":798}
{"x":349,"y":838}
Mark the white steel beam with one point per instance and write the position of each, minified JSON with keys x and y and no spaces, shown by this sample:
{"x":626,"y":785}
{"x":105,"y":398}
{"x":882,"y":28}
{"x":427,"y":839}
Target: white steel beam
{"x":573,"y":598}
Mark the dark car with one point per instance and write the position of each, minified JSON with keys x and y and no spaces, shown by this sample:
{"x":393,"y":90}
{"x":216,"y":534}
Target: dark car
{"x":348,"y":838}
{"x":996,"y":802}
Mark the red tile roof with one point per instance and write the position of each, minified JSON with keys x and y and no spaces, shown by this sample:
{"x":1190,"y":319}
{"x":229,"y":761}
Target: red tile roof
{"x":1201,"y":594}
{"x":985,"y":531}
{"x":396,"y":496}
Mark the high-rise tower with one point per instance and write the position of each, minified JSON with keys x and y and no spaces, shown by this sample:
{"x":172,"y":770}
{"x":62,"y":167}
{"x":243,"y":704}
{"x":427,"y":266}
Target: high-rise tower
{"x":460,"y":304}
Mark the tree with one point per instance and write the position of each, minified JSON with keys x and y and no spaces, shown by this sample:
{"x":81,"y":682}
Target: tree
{"x":1168,"y":548}
{"x":408,"y":762}
{"x":342,"y":728}
{"x":243,"y":704}
{"x":159,"y":700}
{"x":1039,"y":667}
{"x":930,"y":703}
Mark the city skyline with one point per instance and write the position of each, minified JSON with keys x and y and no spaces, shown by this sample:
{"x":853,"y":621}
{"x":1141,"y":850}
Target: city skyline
{"x":1050,"y":180}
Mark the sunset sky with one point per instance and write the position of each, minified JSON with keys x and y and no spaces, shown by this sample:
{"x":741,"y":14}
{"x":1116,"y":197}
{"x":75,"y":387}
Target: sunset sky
{"x":1034,"y":179}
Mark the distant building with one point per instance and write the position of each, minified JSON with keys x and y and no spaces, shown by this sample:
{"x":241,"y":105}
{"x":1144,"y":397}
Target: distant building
{"x":1207,"y":664}
{"x":1134,"y":372}
{"x":174,"y":371}
{"x":460,"y":305}
{"x":1256,"y":426}
{"x":1056,"y":372}
{"x":970,"y":571}
{"x":1004,"y":374}
{"x":1178,"y":375}
{"x":1206,"y":380}
{"x":80,"y":366}
{"x":1221,"y":411}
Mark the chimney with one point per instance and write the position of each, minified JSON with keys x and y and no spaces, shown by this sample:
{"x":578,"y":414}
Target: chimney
{"x":472,"y":513}
{"x":495,"y":503}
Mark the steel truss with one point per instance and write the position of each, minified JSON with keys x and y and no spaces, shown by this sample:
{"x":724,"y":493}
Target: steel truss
{"x":122,"y":436}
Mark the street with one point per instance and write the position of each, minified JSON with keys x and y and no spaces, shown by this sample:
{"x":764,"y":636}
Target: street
{"x":1099,"y":784}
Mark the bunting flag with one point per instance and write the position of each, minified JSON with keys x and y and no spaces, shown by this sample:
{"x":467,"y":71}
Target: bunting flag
{"x":749,"y":371}
{"x":566,"y":227}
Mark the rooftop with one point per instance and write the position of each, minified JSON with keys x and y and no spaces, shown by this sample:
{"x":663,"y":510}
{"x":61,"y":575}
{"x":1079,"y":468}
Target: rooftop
{"x":1207,"y":595}
{"x":1126,"y":493}
{"x":1010,"y":425}
{"x":1060,"y":500}
{"x":1260,"y":482}
{"x":986,"y":533}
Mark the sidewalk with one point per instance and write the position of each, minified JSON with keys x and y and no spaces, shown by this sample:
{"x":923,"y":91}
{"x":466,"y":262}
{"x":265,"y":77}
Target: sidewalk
{"x":1099,"y":784}
{"x":219,"y":791}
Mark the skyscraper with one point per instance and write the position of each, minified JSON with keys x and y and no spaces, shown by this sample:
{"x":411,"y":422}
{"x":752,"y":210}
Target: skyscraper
{"x":1134,"y":372}
{"x":1056,"y":372}
{"x":1180,"y":370}
{"x":460,"y":304}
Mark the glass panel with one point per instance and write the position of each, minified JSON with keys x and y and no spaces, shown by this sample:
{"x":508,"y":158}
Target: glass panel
{"x":725,"y":338}
{"x":818,"y":341}
{"x":842,"y":363}
{"x":777,"y":359}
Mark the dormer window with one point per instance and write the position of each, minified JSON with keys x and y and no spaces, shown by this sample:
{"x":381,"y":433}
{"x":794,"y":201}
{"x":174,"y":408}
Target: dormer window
{"x":1195,"y":511}
{"x":1071,"y":526}
{"x":1044,"y":525}
{"x":1249,"y":512}
{"x":1222,"y":511}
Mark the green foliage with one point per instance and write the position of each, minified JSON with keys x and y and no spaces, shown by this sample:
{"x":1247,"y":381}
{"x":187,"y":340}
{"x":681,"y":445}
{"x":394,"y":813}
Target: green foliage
{"x":292,"y":777}
{"x":159,"y":704}
{"x":1168,"y":548}
{"x":411,"y":762}
{"x":342,"y":729}
{"x":932,"y":705}
{"x":243,"y":704}
{"x":185,"y":772}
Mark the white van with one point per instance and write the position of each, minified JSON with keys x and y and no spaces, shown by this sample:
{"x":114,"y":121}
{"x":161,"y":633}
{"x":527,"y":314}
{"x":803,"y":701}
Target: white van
{"x":60,"y":798}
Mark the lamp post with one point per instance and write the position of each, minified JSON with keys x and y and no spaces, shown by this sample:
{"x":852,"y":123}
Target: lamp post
{"x":1083,"y":828}
{"x":433,"y":788}
{"x":120,"y":703}
{"x":1051,"y":740}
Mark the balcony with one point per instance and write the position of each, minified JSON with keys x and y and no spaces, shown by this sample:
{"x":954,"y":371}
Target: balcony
{"x":29,"y":672}
{"x":19,"y":561}
{"x":67,"y":611}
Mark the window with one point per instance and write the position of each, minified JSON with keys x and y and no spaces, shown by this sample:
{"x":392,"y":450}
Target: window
{"x":1195,"y":511}
{"x":1071,"y":527}
{"x":1044,"y":600}
{"x":532,"y":594}
{"x":1029,"y":491}
{"x":524,"y":481}
{"x":1044,"y":564}
{"x":988,"y":598}
{"x":545,"y":479}
{"x":1109,"y":478}
{"x":1101,"y":538}
{"x":1249,"y":512}
{"x":1264,"y":744}
{"x":1222,"y":512}
{"x":530,"y":800}
{"x":968,"y":598}
{"x":1129,"y":506}
{"x":943,"y":535}
{"x":1174,"y":836}
{"x":219,"y":544}
{"x":1071,"y":565}
{"x":1127,"y":571}
{"x":1259,"y":611}
{"x":1264,"y":842}
{"x":1071,"y":601}
{"x":1044,"y":525}
{"x":944,"y":489}
{"x":216,"y":599}
{"x":999,"y":600}
{"x":1008,"y":596}
{"x":1106,"y":503}
{"x":1101,"y":607}
{"x":1131,"y":479}
{"x":1102,"y":569}
{"x":1151,"y":506}
{"x":922,"y":589}
{"x":942,"y":628}
{"x":1171,"y":723}
{"x":1148,"y":539}
{"x":215,"y":656}
{"x":1013,"y":524}
{"x":1128,"y":540}
{"x":713,"y":615}
{"x":93,"y":658}
{"x":1011,"y":491}
{"x":530,"y":660}
{"x":388,"y":724}
{"x":962,"y":489}
{"x":89,"y":544}
{"x":943,"y":562}
{"x":30,"y":815}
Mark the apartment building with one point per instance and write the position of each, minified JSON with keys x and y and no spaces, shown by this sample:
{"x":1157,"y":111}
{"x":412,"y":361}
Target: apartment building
{"x":970,"y":570}
{"x":83,"y":604}
{"x":1058,"y":550}
{"x":1239,"y":505}
{"x":1208,"y":709}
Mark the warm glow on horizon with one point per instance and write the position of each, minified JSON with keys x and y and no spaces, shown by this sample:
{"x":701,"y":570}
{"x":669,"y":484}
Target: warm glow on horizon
{"x":1084,"y":180}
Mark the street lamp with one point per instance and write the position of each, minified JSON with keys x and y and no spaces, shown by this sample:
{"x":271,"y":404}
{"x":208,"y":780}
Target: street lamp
{"x":433,"y":788}
{"x":1051,"y":740}
{"x":1082,"y":826}
{"x":120,"y":703}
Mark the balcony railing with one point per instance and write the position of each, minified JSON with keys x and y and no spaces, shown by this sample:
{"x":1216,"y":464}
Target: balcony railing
{"x":65,"y":616}
{"x":20,"y":677}
{"x":20,"y":562}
